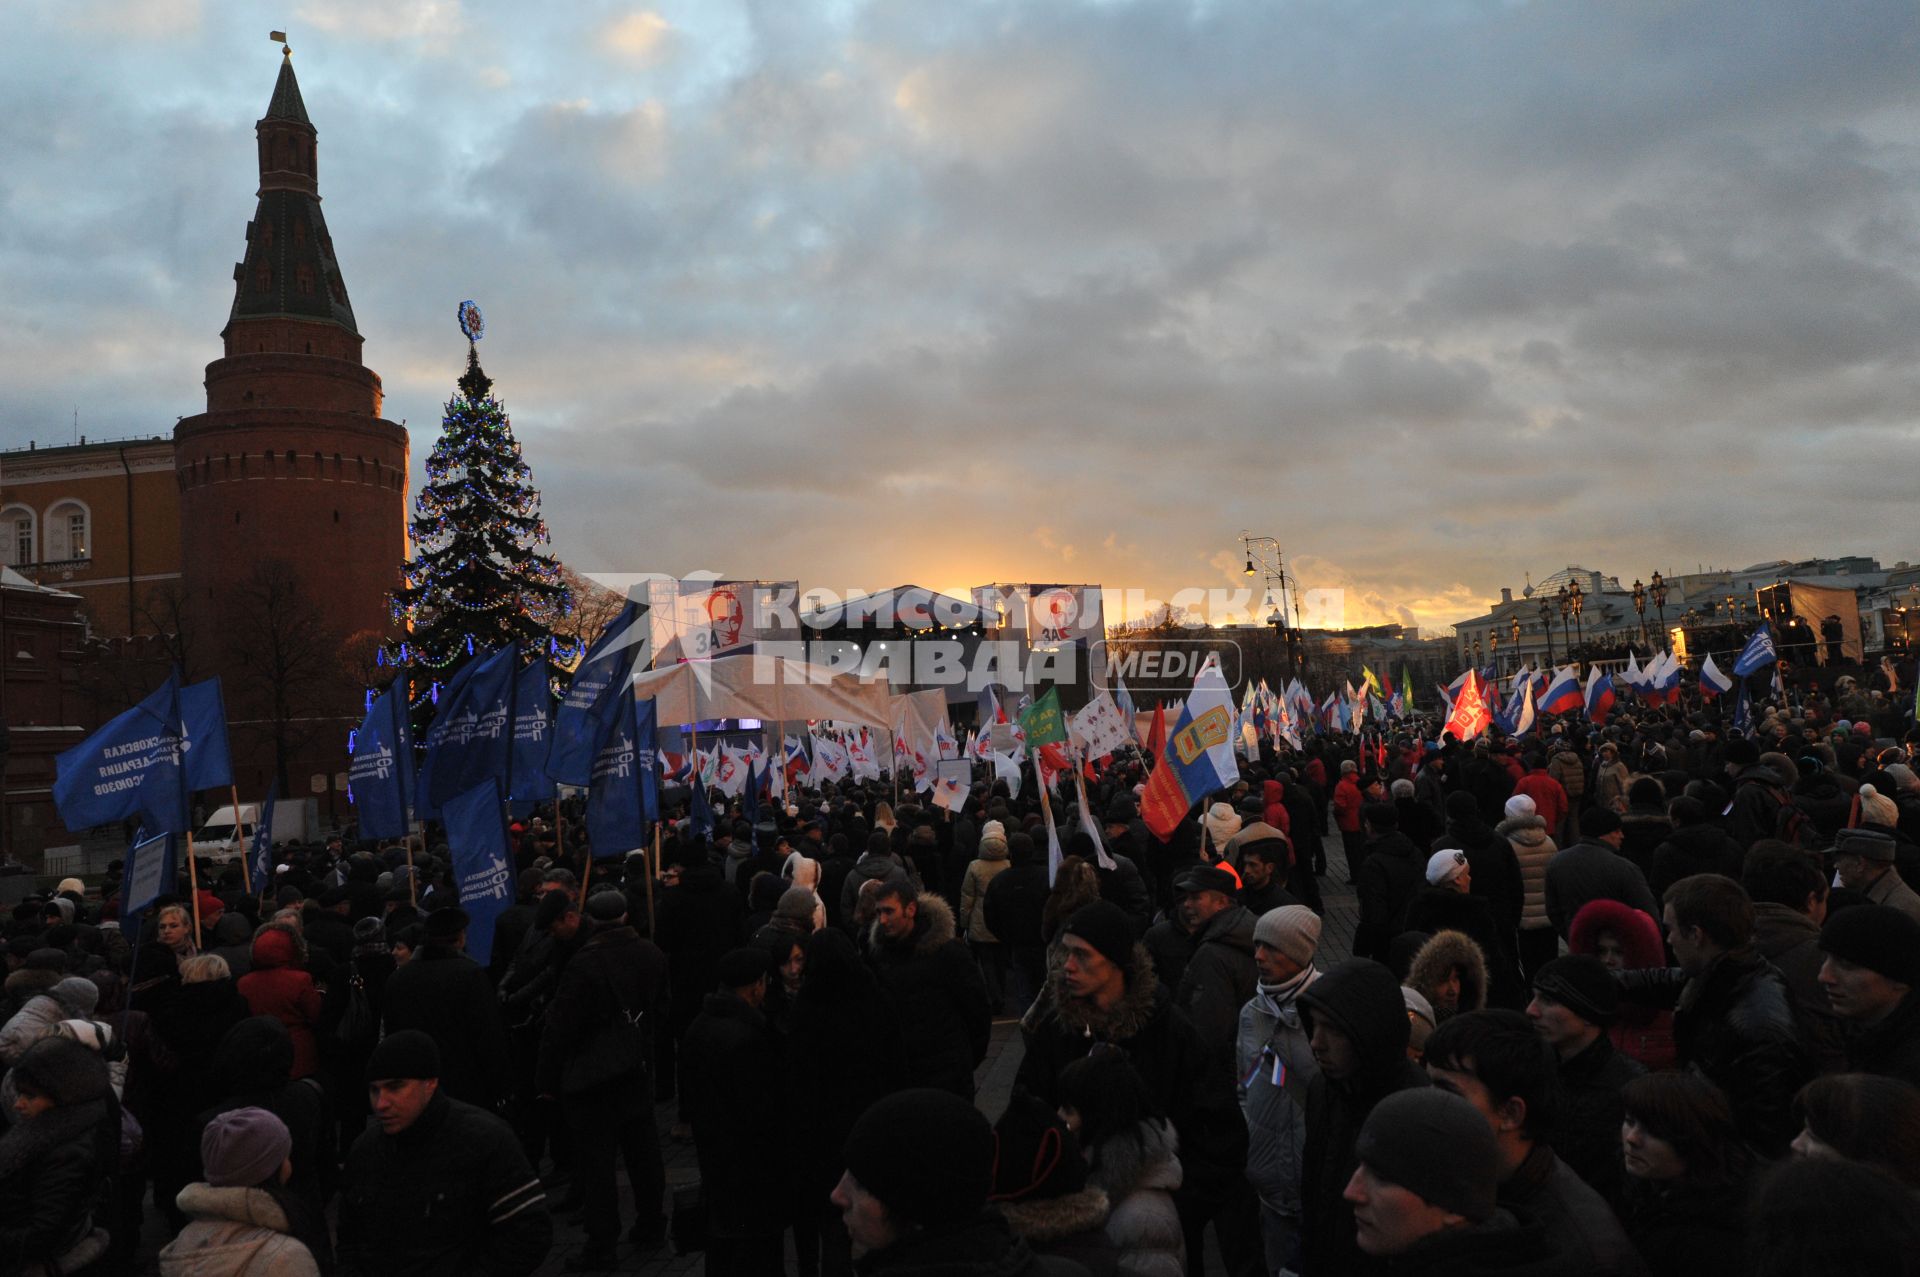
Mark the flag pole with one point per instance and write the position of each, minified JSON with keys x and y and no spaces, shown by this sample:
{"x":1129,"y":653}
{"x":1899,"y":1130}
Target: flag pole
{"x":653,"y":867}
{"x":193,"y":884}
{"x":586,"y":876}
{"x":246,"y":852}
{"x":413,"y":880}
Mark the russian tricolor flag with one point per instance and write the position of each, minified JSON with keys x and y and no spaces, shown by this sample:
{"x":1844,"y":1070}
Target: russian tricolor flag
{"x":1599,"y":696}
{"x":1563,"y":693}
{"x":1712,"y":682}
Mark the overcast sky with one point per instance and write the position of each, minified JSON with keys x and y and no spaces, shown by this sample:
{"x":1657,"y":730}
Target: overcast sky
{"x":1436,"y":293}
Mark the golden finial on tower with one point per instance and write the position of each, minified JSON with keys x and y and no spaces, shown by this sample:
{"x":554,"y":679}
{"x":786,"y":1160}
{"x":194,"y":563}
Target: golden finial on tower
{"x":286,"y":50}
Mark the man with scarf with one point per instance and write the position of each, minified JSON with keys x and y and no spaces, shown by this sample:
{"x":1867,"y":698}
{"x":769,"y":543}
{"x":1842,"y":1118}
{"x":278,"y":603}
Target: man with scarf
{"x":1275,"y":1064}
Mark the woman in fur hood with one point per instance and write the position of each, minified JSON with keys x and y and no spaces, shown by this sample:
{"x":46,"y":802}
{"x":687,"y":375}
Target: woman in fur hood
{"x":1450,"y":971}
{"x":1132,"y":1157}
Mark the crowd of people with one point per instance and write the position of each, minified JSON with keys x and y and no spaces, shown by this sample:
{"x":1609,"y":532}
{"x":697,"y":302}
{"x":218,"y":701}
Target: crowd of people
{"x":1625,"y":999}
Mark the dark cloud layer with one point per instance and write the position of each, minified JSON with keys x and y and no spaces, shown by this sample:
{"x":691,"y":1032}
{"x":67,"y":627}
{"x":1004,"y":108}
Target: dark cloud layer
{"x":867,"y":292}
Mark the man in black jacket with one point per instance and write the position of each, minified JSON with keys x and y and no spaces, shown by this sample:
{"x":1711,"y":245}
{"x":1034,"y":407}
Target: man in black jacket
{"x":1357,"y":1026}
{"x":594,"y":1058}
{"x":1014,"y":902}
{"x":1104,"y":993}
{"x":1496,"y":1062}
{"x":1734,"y":1023}
{"x":1391,"y":873}
{"x":435,"y":1185}
{"x":729,"y":1098}
{"x":933,"y":985}
{"x":1871,"y":969}
{"x":447,"y":995}
{"x":1575,"y":999}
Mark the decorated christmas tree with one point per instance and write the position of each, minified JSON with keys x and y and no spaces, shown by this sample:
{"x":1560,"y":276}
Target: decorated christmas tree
{"x":478,"y":580}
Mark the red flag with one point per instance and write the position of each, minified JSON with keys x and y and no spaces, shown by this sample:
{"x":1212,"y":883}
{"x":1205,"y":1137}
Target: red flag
{"x":1163,"y":803}
{"x":1470,"y":716}
{"x":1157,"y":733}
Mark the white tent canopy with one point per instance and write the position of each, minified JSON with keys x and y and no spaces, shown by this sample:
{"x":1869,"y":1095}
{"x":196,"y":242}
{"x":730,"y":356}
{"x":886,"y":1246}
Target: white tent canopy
{"x":779,"y":691}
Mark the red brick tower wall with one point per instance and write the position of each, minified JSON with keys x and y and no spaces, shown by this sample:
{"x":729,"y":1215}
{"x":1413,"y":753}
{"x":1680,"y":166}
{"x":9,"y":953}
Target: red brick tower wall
{"x":292,"y":459}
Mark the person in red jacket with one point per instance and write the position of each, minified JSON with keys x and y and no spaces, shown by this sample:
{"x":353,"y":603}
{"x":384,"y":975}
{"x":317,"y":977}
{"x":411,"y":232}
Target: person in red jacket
{"x":1550,"y":801}
{"x":1348,"y":798}
{"x":1273,"y":808}
{"x":279,"y":986}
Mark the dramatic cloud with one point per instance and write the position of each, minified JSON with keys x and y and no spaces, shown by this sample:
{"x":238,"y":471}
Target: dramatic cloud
{"x":867,"y":293}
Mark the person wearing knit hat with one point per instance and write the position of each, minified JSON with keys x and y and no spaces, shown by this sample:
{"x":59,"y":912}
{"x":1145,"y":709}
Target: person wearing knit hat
{"x":70,"y":997}
{"x":1429,"y":1173}
{"x":1864,"y":860}
{"x":1878,"y":809}
{"x":1274,"y":1062}
{"x":238,"y":1217}
{"x":1870,"y":972}
{"x":1575,"y":1002}
{"x":797,"y":910}
{"x":1040,"y":1186}
{"x":919,"y":1169}
{"x":1101,"y":995}
{"x":435,"y":1185}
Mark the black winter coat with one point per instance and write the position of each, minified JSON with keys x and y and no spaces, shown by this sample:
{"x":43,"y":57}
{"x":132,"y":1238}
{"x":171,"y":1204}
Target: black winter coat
{"x":1735,"y":1026}
{"x":53,"y":1174}
{"x":615,"y":972}
{"x":727,"y":1064}
{"x":1495,"y":869}
{"x":983,"y":1247}
{"x":446,"y":995}
{"x":1362,"y":999}
{"x":1890,"y":1048}
{"x":1218,"y":981}
{"x":695,"y":923}
{"x":1688,"y":1230}
{"x":1693,"y":849}
{"x":1014,"y":902}
{"x":453,"y":1193}
{"x":1586,"y":1132}
{"x":1159,"y":1041}
{"x":938,"y":998}
{"x":1393,"y":871}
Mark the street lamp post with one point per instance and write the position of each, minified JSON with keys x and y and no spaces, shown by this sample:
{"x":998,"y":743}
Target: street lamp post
{"x":1566,"y":620}
{"x":1579,"y":597}
{"x":1640,"y":606}
{"x":1658,"y":592}
{"x":1496,"y":651}
{"x":1546,"y":627}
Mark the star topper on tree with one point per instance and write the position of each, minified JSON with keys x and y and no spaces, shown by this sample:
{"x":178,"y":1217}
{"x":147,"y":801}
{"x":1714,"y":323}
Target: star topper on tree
{"x":478,"y":580}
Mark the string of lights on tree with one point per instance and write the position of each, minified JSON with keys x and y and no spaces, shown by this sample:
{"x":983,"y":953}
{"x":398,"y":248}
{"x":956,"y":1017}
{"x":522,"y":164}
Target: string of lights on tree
{"x":478,"y":579}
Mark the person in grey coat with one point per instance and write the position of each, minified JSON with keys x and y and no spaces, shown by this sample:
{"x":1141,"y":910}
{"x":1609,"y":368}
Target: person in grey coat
{"x":1275,"y":1065}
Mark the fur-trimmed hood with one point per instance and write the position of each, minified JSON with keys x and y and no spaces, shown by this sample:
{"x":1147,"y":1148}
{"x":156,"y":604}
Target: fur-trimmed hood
{"x":1146,"y":1157}
{"x":1120,"y":1024}
{"x":254,"y":1206}
{"x":932,"y":928}
{"x":1052,"y":1219}
{"x":1449,"y":949}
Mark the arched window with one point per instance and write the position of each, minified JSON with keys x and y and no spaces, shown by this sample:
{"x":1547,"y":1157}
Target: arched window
{"x":69,"y":531}
{"x":18,"y":540}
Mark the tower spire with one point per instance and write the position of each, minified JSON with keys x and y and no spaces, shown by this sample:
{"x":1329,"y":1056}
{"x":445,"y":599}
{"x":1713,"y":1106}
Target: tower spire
{"x":290,"y":271}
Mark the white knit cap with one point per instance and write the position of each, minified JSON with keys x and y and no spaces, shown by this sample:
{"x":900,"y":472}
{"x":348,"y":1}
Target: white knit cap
{"x":1444,"y":866}
{"x":1520,"y":806}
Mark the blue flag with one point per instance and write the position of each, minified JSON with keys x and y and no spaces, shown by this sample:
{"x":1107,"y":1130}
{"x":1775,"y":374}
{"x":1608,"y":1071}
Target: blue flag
{"x":381,"y":778}
{"x":131,"y":767}
{"x":482,"y":861}
{"x":260,"y":855}
{"x":580,"y":724}
{"x":623,"y":795}
{"x":478,"y":742}
{"x":1742,"y":711}
{"x":532,"y":735}
{"x":700,"y":812}
{"x":150,"y":871}
{"x":750,"y":796}
{"x":203,"y":714}
{"x":1758,"y":653}
{"x":421,"y":792}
